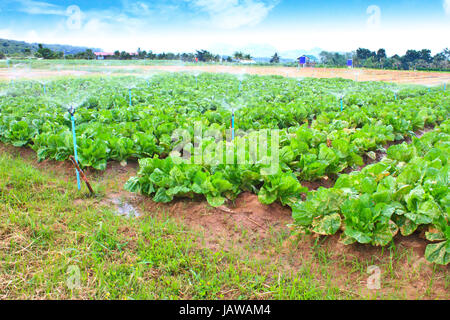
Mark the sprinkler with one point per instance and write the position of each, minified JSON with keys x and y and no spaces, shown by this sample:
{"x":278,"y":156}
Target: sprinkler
{"x":44,"y":87}
{"x":340,"y":98}
{"x":130,"y":87}
{"x":232,"y":124}
{"x":196,"y":80}
{"x":71,"y":110}
{"x":129,"y":93}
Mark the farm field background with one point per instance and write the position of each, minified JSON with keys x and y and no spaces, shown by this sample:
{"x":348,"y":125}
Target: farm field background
{"x":36,"y":69}
{"x":366,"y":161}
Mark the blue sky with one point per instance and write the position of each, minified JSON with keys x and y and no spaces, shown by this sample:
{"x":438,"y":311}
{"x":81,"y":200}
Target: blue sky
{"x":223,"y":26}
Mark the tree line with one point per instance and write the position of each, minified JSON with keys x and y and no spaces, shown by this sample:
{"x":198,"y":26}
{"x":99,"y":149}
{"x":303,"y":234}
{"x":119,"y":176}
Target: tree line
{"x":199,"y":55}
{"x":362,"y":57}
{"x":411,"y":60}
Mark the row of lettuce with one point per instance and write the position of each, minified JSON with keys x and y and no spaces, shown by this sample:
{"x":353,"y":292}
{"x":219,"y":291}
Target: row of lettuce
{"x":307,"y":112}
{"x":405,"y":191}
{"x":314,"y":139}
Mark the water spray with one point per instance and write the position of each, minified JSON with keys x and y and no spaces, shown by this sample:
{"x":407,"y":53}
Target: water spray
{"x":395,"y":91}
{"x":44,"y":87}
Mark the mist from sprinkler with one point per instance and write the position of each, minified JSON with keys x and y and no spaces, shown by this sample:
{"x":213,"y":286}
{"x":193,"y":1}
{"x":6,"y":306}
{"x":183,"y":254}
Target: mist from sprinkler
{"x":196,"y":74}
{"x":395,"y":91}
{"x":429,"y":86}
{"x":340,"y":97}
{"x":233,"y":108}
{"x":44,"y":85}
{"x":147,"y":78}
{"x":241,"y":77}
{"x":130,"y":87}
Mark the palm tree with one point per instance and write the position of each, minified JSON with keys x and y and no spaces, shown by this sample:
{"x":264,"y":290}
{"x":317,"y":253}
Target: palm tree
{"x":275,"y":58}
{"x":238,"y":55}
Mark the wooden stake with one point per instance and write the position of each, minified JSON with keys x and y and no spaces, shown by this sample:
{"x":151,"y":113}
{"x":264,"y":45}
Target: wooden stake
{"x":83,"y":176}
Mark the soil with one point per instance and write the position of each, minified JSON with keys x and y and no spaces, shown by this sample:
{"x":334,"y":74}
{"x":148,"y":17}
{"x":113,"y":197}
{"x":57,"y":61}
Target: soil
{"x":405,"y":77}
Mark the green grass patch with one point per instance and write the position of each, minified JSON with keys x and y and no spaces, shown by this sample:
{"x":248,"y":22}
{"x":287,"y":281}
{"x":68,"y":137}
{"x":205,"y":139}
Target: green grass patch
{"x":55,"y":243}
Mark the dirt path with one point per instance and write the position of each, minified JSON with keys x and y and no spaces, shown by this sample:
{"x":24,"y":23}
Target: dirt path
{"x":405,"y":77}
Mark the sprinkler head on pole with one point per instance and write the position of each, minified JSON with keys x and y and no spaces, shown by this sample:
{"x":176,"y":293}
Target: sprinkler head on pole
{"x":71,"y":110}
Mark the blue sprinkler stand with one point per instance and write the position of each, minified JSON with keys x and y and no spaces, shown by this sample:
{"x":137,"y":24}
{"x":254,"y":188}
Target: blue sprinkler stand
{"x":72,"y":112}
{"x":232,"y":126}
{"x":342,"y":104}
{"x":129,"y":94}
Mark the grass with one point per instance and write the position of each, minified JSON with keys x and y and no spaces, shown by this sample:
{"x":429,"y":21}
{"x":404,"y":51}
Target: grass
{"x":54,"y":244}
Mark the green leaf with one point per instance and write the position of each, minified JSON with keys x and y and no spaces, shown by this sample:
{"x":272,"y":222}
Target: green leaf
{"x":215,"y":201}
{"x":438,"y":252}
{"x":162,"y":196}
{"x":266,"y":197}
{"x":384,"y":236}
{"x":357,"y":235}
{"x":327,"y":225}
{"x":408,"y":227}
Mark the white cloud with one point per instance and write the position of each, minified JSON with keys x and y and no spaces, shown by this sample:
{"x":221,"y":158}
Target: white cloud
{"x":6,"y":34}
{"x":137,"y":8}
{"x":446,"y":5}
{"x":231,"y":14}
{"x":39,"y":7}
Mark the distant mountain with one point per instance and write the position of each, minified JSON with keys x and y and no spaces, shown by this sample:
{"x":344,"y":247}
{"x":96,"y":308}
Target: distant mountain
{"x":267,"y":60}
{"x":294,"y":54}
{"x":19,"y":47}
{"x":264,"y":51}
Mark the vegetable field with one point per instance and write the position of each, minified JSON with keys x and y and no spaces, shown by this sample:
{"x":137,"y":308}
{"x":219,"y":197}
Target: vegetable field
{"x":367,"y":139}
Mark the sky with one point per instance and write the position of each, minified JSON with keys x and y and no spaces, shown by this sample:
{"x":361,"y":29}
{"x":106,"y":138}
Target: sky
{"x":258,"y":27}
